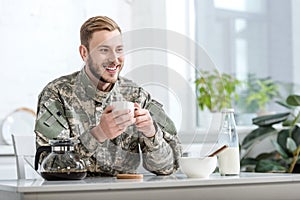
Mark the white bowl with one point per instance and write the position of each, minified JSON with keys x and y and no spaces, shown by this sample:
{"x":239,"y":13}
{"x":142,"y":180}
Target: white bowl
{"x":195,"y":167}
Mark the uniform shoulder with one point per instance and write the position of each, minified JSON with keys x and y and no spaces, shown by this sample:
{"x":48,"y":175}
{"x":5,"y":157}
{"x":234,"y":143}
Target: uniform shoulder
{"x":63,"y":81}
{"x":125,"y":82}
{"x":132,"y":91}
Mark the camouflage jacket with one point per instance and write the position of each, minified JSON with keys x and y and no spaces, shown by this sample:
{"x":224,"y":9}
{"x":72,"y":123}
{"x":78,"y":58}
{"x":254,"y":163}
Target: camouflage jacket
{"x":72,"y":103}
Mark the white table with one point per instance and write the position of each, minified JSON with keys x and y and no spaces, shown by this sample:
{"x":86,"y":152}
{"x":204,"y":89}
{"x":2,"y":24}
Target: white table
{"x":246,"y":186}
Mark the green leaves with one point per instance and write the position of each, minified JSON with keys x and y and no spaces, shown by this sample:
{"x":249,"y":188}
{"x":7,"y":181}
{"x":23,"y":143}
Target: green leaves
{"x":287,"y":145}
{"x":291,"y":145}
{"x":282,"y":141}
{"x":280,"y":150}
{"x":216,"y":91}
{"x":257,"y":93}
{"x":268,"y":120}
{"x":269,"y":166}
{"x":293,"y":100}
{"x":257,"y":135}
{"x":296,"y":134}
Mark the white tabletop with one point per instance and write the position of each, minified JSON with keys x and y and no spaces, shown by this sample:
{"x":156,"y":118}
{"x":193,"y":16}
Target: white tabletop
{"x":149,"y":181}
{"x":178,"y":186}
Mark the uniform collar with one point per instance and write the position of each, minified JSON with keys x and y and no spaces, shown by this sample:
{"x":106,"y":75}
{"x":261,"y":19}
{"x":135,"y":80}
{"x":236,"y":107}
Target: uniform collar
{"x":92,"y":91}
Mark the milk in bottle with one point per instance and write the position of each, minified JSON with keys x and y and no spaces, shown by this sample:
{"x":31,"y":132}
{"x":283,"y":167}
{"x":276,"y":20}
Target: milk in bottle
{"x":229,"y":159}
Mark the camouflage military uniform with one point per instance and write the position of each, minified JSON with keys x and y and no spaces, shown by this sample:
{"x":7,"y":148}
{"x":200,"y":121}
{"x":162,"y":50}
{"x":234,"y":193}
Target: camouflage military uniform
{"x":74,"y":104}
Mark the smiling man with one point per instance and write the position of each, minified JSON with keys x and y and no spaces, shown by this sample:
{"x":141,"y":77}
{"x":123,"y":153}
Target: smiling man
{"x":79,"y":104}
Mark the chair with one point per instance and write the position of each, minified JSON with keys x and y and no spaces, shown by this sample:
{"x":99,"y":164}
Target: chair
{"x":18,"y":129}
{"x":25,"y":147}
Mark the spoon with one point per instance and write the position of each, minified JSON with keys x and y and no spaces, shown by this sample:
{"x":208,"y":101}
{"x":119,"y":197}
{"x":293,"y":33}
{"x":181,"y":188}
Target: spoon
{"x":218,"y":151}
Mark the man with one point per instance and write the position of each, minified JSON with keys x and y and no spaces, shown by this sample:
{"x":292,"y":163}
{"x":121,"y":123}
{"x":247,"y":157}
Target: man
{"x":80,"y":104}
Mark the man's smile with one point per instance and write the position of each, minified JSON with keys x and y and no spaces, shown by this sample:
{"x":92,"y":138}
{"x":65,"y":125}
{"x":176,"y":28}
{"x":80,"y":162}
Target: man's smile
{"x":112,"y":68}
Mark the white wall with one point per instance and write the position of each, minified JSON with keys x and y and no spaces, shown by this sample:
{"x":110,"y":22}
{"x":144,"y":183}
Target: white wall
{"x":40,"y":41}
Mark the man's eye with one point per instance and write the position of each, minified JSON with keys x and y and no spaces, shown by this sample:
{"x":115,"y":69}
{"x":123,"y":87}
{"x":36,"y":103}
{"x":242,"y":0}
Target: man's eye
{"x":119,"y":50}
{"x":104,"y":50}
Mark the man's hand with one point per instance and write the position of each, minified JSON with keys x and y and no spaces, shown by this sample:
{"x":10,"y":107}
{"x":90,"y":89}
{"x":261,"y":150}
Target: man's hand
{"x":112,"y":124}
{"x":143,"y":121}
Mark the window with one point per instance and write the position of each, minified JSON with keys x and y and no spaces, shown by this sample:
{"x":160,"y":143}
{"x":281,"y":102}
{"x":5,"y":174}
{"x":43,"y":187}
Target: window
{"x":242,"y":37}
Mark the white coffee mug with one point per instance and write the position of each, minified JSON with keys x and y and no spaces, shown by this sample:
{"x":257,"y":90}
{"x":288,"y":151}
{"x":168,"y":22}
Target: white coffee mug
{"x":123,"y":105}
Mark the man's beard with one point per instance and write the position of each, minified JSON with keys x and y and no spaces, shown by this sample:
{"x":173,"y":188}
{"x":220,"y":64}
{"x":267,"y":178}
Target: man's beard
{"x":92,"y":68}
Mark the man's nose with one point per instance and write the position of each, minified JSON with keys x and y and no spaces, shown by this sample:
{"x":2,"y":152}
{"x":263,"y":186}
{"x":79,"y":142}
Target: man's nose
{"x":114,"y":57}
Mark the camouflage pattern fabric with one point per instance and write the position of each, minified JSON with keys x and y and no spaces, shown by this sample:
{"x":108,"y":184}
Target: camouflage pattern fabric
{"x":72,"y":103}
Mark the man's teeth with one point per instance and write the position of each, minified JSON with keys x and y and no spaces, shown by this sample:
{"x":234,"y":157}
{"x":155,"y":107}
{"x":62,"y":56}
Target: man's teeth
{"x":111,"y":68}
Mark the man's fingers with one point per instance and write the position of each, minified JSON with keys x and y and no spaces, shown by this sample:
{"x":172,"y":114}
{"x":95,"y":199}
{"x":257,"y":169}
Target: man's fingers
{"x":120,"y":119}
{"x":108,"y":109}
{"x":114,"y":123}
{"x":142,"y":119}
{"x":137,"y":106}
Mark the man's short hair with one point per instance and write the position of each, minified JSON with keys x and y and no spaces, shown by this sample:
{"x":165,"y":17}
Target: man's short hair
{"x":94,"y":24}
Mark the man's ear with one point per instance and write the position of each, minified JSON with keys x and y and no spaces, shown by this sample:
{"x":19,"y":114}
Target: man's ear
{"x":84,"y":53}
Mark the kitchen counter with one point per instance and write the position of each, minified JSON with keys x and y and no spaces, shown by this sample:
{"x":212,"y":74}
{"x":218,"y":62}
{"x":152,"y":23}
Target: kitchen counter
{"x":6,"y":150}
{"x":245,"y":186}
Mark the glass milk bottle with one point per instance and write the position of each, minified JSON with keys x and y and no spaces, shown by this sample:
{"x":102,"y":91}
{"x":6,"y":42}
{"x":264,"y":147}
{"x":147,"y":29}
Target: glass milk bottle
{"x":229,"y":159}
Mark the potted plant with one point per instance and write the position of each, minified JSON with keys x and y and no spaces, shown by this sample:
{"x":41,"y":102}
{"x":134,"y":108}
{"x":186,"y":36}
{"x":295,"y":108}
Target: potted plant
{"x":215,"y":90}
{"x":256,"y":94}
{"x":287,"y":143}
